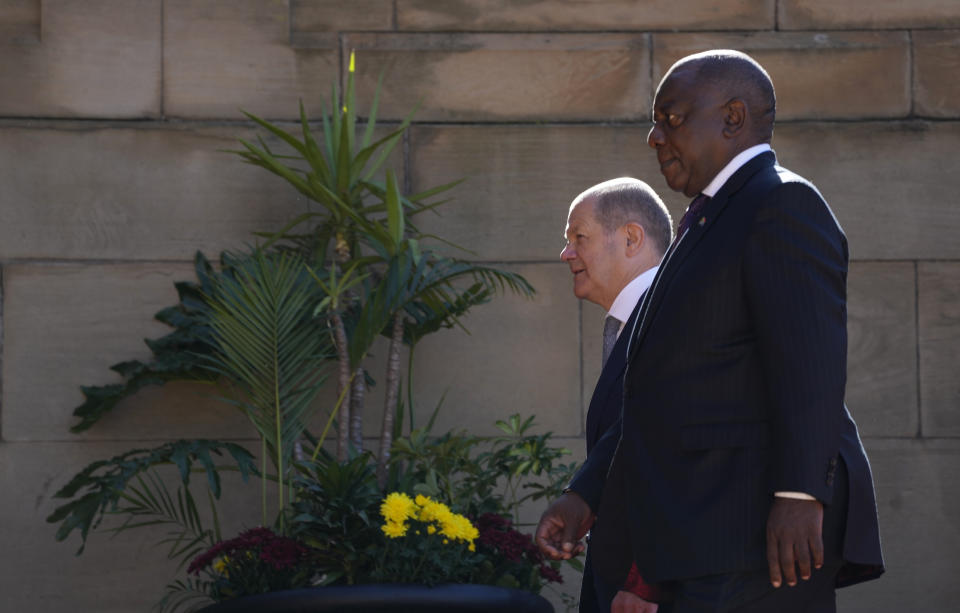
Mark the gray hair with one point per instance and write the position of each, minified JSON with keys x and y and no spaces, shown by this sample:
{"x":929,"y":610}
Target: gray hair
{"x":624,"y":200}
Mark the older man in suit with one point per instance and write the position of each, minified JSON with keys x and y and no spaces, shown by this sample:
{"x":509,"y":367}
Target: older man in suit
{"x":616,"y":235}
{"x":739,"y":481}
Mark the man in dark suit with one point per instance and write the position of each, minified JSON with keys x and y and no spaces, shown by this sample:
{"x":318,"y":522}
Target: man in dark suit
{"x":739,"y":468}
{"x":616,"y":235}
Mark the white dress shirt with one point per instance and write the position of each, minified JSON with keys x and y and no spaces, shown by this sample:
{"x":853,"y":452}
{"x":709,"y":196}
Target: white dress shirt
{"x":628,"y":297}
{"x":733,"y":166}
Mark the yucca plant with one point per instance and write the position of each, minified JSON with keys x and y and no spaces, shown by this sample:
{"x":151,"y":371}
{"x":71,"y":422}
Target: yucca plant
{"x":336,"y":171}
{"x":418,"y":292}
{"x":378,"y":279}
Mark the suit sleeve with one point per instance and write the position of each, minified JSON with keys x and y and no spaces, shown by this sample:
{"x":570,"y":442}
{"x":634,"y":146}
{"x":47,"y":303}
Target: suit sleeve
{"x":794,"y":274}
{"x":590,"y":479}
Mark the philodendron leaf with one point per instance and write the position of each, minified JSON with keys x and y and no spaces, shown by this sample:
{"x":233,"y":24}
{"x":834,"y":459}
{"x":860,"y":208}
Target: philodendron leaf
{"x":175,"y":356}
{"x":98,"y":488}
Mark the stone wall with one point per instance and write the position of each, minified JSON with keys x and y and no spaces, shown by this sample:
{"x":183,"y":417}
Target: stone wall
{"x":113,"y":115}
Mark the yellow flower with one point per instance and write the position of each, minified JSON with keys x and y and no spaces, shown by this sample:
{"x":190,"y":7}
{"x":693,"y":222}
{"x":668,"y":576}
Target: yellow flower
{"x":353,"y":62}
{"x":434,"y":511}
{"x":221,"y":566}
{"x":459,"y":527}
{"x":472,"y":547}
{"x":394,"y":530}
{"x":397,"y":507}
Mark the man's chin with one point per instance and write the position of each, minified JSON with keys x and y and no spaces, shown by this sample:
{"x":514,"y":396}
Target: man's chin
{"x":675,"y":183}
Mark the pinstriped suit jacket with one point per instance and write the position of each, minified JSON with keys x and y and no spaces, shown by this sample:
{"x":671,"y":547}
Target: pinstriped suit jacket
{"x":734,"y":389}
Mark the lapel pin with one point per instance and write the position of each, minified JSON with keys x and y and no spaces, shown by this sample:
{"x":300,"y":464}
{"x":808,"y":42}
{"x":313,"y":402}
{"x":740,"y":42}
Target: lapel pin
{"x":703,"y":220}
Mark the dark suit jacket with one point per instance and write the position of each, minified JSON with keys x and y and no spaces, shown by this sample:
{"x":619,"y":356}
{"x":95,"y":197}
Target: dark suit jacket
{"x":603,"y":428}
{"x":734,"y":390}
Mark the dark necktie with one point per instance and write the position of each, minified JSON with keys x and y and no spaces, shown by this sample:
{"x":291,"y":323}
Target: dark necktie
{"x":611,"y":326}
{"x":693,"y":212}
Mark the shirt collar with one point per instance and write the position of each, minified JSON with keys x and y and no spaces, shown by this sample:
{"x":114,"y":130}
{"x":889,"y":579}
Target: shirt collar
{"x":733,"y":166}
{"x":628,"y":297}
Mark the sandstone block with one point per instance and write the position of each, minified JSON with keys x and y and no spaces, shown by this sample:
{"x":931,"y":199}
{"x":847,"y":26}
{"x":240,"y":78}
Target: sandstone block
{"x":521,"y":179}
{"x":886,"y":182}
{"x":502,"y":15}
{"x":220,"y":56}
{"x":65,"y":324}
{"x":521,"y":356}
{"x":882,"y":341}
{"x":145,"y":194}
{"x":877,"y":15}
{"x":100,"y":58}
{"x":502,"y":77}
{"x":917,"y":491}
{"x":19,"y":21}
{"x":337,"y":15}
{"x":939,"y":286}
{"x":835,"y":75}
{"x":936,"y":61}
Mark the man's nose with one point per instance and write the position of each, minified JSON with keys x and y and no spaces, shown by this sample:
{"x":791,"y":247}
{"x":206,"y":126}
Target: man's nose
{"x":568,"y":253}
{"x":655,"y":136}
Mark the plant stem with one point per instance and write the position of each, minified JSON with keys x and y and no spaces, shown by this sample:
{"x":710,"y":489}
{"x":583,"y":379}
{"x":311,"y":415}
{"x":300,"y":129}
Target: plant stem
{"x":392,"y":393}
{"x":278,"y":424}
{"x":357,"y":393}
{"x":343,"y":384}
{"x":410,"y":383}
{"x":263,"y":480}
{"x":326,"y":428}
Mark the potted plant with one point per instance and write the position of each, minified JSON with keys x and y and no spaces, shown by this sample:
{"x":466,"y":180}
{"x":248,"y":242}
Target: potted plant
{"x":371,"y":551}
{"x":269,"y":327}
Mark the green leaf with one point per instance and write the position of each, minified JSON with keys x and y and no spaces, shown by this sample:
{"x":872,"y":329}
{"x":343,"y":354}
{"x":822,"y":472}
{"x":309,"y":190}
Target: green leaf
{"x":102,"y":485}
{"x":394,"y":211}
{"x":372,"y":119}
{"x":279,"y":132}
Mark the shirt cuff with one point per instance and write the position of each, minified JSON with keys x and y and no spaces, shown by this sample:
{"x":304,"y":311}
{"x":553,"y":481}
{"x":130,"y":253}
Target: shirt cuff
{"x":796,"y":495}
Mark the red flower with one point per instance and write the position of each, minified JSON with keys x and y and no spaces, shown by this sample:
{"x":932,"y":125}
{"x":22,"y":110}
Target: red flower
{"x":497,"y":533}
{"x":279,"y":551}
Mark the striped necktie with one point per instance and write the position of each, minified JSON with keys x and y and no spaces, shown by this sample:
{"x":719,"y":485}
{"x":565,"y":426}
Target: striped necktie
{"x":611,"y":326}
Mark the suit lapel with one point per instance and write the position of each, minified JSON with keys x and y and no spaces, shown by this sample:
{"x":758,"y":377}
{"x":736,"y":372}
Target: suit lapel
{"x":698,"y":229}
{"x":608,"y":377}
{"x":610,"y":374}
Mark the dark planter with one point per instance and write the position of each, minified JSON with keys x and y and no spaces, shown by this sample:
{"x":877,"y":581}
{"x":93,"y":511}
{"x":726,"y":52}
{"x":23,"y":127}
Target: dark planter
{"x":384,"y":597}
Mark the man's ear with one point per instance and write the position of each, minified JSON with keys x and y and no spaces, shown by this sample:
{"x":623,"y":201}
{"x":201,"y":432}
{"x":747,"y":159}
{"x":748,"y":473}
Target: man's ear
{"x":635,"y":238}
{"x":734,"y":117}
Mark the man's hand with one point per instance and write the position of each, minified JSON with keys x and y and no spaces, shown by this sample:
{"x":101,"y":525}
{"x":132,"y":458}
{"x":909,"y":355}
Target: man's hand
{"x":562,"y":526}
{"x":625,"y":602}
{"x":794,"y":539}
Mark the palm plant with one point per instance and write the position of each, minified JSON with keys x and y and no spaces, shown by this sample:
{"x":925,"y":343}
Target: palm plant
{"x":269,"y":348}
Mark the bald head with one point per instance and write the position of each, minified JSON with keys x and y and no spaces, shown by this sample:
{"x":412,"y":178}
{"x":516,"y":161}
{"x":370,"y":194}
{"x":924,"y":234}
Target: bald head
{"x":625,"y":200}
{"x":735,"y":74}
